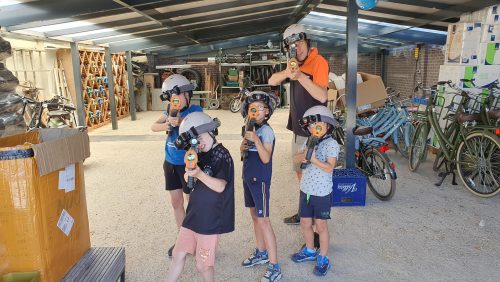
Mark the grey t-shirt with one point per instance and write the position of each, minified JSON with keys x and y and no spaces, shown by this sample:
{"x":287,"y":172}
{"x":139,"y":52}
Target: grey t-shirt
{"x":316,"y":181}
{"x":266,"y":135}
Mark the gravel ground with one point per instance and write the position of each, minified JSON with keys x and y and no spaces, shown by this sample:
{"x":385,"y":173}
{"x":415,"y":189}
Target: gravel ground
{"x":425,"y":233}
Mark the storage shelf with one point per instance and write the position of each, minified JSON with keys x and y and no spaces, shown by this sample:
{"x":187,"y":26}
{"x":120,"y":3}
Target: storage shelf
{"x":263,"y":50}
{"x":235,"y":64}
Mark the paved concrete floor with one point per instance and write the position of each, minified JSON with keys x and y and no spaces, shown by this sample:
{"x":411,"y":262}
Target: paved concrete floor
{"x":424,"y":233}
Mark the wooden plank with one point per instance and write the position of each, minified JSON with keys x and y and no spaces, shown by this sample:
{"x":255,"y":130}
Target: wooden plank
{"x":102,"y":265}
{"x":109,"y":270}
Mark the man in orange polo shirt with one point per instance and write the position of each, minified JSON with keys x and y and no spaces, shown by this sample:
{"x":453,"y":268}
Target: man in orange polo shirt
{"x":308,"y":88}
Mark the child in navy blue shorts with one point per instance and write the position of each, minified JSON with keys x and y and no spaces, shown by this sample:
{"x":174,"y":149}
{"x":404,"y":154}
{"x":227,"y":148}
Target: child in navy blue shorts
{"x":316,"y":188}
{"x":257,"y":147}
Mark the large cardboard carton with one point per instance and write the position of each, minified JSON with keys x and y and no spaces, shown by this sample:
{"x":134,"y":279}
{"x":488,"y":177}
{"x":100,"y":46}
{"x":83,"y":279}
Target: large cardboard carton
{"x":492,"y":15}
{"x":370,"y":93}
{"x":462,"y":43}
{"x":43,"y":212}
{"x":490,"y":33}
{"x":489,"y":53}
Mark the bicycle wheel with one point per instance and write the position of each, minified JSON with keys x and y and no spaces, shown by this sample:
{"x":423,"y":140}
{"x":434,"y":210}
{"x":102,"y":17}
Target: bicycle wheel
{"x":235,"y":105}
{"x":405,"y":134}
{"x":418,"y":147}
{"x":478,"y":163}
{"x":377,"y":169}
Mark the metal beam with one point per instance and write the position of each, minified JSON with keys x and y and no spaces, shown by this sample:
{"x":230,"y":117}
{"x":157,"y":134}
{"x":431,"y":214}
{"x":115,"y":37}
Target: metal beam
{"x":114,"y":24}
{"x":135,"y":35}
{"x":373,"y":18}
{"x":50,"y":9}
{"x":145,"y":6}
{"x":460,"y":8}
{"x":77,"y":77}
{"x":214,"y":46}
{"x":111,"y":88}
{"x":131,"y":88}
{"x":351,"y":81}
{"x":306,"y":6}
{"x":96,"y":36}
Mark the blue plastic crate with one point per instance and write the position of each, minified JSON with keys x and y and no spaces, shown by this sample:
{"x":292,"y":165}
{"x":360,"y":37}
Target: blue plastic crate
{"x":349,"y":187}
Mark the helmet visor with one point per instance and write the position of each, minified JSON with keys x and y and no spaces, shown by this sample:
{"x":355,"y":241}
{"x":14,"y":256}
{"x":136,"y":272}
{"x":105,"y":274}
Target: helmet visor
{"x":294,"y":38}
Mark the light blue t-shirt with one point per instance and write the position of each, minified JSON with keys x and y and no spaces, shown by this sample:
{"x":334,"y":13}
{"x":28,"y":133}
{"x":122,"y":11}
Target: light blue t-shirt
{"x":172,"y":154}
{"x":316,"y":181}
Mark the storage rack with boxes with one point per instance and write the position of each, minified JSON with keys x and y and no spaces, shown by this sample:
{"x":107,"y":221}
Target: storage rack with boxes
{"x":260,"y":65}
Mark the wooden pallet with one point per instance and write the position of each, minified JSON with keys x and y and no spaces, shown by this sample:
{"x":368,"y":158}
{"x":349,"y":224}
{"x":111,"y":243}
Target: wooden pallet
{"x":99,"y":264}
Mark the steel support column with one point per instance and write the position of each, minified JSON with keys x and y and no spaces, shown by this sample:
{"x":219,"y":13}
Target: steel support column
{"x":131,"y":94}
{"x":77,"y":76}
{"x":111,"y":87}
{"x":351,"y":84}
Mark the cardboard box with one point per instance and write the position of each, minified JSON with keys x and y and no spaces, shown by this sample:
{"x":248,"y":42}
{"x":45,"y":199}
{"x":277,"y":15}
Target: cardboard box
{"x":492,"y":15}
{"x":462,"y":43}
{"x":489,"y":53}
{"x":43,"y":228}
{"x":370,"y":94}
{"x":232,"y":77}
{"x":490,"y":33}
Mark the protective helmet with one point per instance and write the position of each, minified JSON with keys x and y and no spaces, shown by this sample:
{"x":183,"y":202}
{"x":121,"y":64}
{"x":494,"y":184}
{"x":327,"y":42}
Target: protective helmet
{"x":259,"y":96}
{"x":175,"y":85}
{"x":317,"y":113}
{"x":200,"y":122}
{"x":294,"y":33}
{"x":193,"y":125}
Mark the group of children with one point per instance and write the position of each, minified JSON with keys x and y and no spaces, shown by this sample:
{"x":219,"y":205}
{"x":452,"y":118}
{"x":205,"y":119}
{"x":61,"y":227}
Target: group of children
{"x":211,"y":209}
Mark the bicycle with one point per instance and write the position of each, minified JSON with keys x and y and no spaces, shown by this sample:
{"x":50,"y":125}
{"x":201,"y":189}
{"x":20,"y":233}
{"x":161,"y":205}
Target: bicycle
{"x":391,"y":122}
{"x":237,"y":101}
{"x":371,"y":160}
{"x":59,"y":113}
{"x":473,"y":147}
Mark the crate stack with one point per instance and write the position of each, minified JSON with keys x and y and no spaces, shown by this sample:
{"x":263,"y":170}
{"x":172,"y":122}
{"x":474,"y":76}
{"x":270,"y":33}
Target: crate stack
{"x":94,"y":83}
{"x":472,"y":52}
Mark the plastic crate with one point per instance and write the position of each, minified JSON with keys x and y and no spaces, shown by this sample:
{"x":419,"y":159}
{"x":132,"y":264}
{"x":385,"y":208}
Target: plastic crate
{"x":349,"y":187}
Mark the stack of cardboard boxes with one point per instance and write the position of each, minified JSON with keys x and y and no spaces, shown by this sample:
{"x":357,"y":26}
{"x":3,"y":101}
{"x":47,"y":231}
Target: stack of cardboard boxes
{"x":472,"y":49}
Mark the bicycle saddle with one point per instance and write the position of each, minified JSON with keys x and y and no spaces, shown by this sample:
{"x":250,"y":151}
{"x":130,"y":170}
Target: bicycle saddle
{"x":461,"y":117}
{"x":494,"y":114}
{"x":362,"y":130}
{"x":366,"y":114}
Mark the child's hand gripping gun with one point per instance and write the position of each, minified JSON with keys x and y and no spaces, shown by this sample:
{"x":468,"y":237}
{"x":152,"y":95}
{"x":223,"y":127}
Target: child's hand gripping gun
{"x":249,"y":126}
{"x":191,"y":161}
{"x":312,"y":141}
{"x":175,"y":106}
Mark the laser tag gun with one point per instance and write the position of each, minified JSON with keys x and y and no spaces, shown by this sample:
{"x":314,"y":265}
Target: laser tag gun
{"x":312,"y":142}
{"x":249,"y":126}
{"x":174,"y":108}
{"x":293,"y":64}
{"x":191,"y":161}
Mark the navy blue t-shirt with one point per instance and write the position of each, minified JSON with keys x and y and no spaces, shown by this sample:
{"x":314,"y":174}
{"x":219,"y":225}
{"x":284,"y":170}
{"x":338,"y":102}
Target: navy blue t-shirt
{"x":253,"y":168}
{"x":209,"y":212}
{"x":172,"y":154}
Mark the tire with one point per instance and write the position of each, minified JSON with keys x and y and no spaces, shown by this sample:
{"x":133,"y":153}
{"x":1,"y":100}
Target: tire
{"x":405,"y":135}
{"x":379,"y":179}
{"x":418,"y":147}
{"x":479,"y":156}
{"x":191,"y":75}
{"x":235,"y":105}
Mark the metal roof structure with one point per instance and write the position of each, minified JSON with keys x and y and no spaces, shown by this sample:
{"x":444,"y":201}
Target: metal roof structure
{"x":175,"y":27}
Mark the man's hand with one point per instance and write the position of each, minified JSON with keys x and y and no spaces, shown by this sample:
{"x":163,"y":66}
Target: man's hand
{"x":174,"y":121}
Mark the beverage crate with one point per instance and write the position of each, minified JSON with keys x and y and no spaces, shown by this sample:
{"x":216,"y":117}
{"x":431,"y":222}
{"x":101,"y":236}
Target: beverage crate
{"x":349,"y":187}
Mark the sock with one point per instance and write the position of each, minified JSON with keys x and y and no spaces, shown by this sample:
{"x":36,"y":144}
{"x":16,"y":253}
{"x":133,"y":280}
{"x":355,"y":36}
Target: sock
{"x":309,"y":251}
{"x":323,"y":259}
{"x":276,"y":265}
{"x":261,"y":253}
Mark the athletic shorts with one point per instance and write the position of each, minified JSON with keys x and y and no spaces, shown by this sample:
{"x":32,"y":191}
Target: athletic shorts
{"x":257,"y":196}
{"x":297,"y":144}
{"x":201,"y":246}
{"x":174,"y":177}
{"x":316,"y":206}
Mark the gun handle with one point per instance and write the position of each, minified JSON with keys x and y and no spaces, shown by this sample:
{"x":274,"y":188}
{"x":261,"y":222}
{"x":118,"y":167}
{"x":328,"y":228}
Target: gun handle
{"x":190,"y":183}
{"x":293,"y":64}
